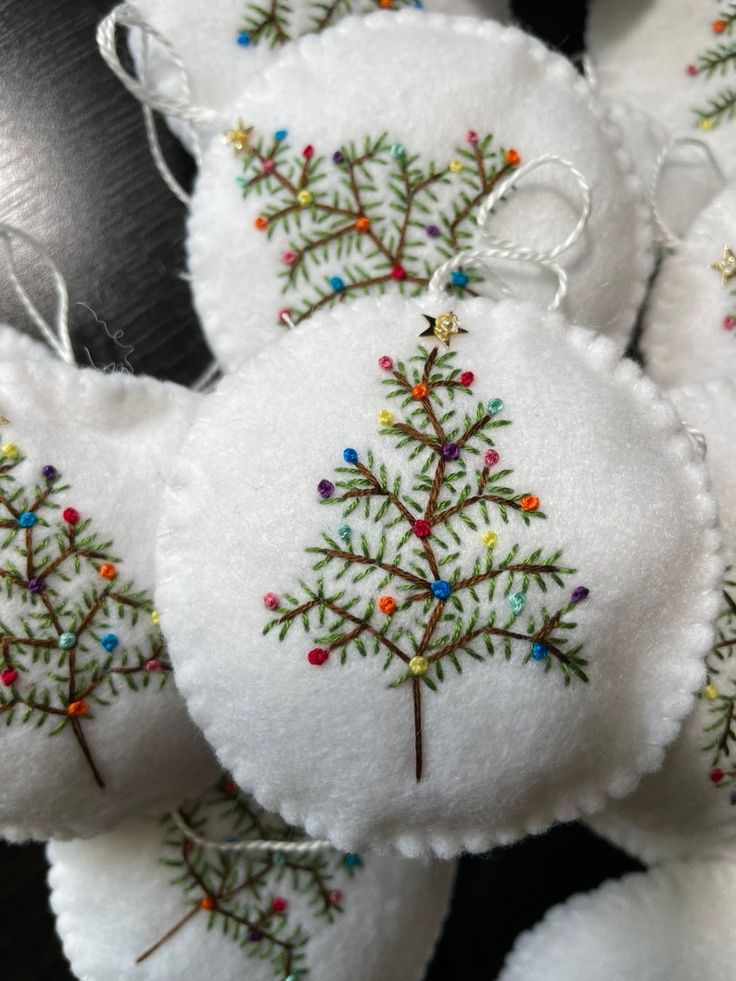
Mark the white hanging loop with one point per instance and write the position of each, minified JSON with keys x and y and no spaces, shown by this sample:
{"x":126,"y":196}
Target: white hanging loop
{"x":666,"y":236}
{"x":255,"y":847}
{"x":697,"y":439}
{"x":56,"y":336}
{"x":542,"y":256}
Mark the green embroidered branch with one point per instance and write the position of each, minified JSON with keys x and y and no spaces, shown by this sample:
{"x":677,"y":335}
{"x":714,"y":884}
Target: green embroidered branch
{"x":721,"y":726}
{"x":717,"y":60}
{"x":433,"y":617}
{"x":371,"y":218}
{"x":59,"y":656}
{"x":249,"y":896}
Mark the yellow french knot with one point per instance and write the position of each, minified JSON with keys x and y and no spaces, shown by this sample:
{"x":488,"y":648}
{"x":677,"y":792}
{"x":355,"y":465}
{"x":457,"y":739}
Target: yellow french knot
{"x":419,"y":665}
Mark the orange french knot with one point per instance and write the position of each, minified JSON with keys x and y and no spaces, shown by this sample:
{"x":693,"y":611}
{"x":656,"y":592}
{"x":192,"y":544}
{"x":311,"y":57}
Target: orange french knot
{"x":77,"y":708}
{"x":207,"y":902}
{"x":363,"y":224}
{"x":529,"y":503}
{"x":108,"y":570}
{"x":719,"y":26}
{"x":512,"y":157}
{"x":261,"y":223}
{"x":387,"y":605}
{"x":419,"y":392}
{"x":385,"y":4}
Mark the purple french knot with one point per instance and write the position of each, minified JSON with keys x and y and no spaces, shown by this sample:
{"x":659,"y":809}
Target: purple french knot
{"x":338,"y":157}
{"x":579,"y":594}
{"x":433,"y":231}
{"x":450,"y":451}
{"x":36,"y":585}
{"x":49,"y":472}
{"x":325,"y":489}
{"x":254,"y":935}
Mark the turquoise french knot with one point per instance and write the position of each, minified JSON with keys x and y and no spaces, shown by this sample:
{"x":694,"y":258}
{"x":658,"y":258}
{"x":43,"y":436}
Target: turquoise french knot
{"x":110,"y":641}
{"x":353,"y":861}
{"x":441,"y":589}
{"x":337,"y":283}
{"x":517,"y":602}
{"x":398,"y":150}
{"x":494,"y":406}
{"x":539,"y":651}
{"x":345,"y":532}
{"x":459,"y":278}
{"x":67,"y":641}
{"x":280,"y":135}
{"x":28,"y":519}
{"x":350,"y":455}
{"x":243,"y":39}
{"x":279,"y":860}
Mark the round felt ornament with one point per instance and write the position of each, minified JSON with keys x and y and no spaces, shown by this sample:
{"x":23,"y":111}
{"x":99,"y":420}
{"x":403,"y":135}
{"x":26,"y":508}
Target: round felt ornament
{"x":690,"y":325}
{"x":93,"y":730}
{"x":674,"y":923}
{"x":420,"y":640}
{"x":218,"y":47}
{"x":327,"y":189}
{"x":688,"y":808}
{"x":149,"y":902}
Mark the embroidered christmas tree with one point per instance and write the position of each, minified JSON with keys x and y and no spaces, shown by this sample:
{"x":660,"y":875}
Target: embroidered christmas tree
{"x":409,"y":588}
{"x":370,"y":218}
{"x":269,"y":22}
{"x":266,"y":901}
{"x":721,"y":693}
{"x":719,"y":61}
{"x":74,"y":634}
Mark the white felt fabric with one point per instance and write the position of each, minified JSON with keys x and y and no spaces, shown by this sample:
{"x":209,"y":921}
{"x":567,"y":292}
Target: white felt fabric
{"x":463,"y":75}
{"x":679,"y":812}
{"x":687,"y":336}
{"x":205,"y":35}
{"x":674,"y":923}
{"x":507,"y":747}
{"x":647,"y":54}
{"x":15,"y":346}
{"x":113,"y":898}
{"x":111,"y":439}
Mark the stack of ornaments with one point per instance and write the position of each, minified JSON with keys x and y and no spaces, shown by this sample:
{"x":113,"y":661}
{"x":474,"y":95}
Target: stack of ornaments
{"x":433,"y":565}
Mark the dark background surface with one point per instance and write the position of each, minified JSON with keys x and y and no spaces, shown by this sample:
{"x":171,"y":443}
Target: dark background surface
{"x":75,"y":173}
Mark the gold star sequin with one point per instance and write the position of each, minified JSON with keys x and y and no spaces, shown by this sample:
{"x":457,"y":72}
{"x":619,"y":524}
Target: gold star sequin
{"x":239,"y":138}
{"x":726,"y":265}
{"x":443,"y":326}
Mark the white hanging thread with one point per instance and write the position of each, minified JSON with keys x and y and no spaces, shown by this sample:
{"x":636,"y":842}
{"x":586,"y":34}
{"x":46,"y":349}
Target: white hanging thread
{"x":255,"y":847}
{"x":57,"y":337}
{"x":497,"y":248}
{"x":666,"y":236}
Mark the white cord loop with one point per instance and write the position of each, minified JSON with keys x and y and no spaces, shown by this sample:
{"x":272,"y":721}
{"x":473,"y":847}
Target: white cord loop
{"x":666,"y":236}
{"x":57,"y":337}
{"x":255,"y":847}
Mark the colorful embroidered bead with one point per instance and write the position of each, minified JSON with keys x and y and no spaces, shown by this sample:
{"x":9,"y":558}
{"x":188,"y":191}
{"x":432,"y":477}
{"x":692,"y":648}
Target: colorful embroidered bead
{"x":456,"y":166}
{"x":108,"y":570}
{"x":529,"y":503}
{"x":337,"y":157}
{"x":305,"y":198}
{"x":279,"y":904}
{"x":398,"y":150}
{"x":387,"y":605}
{"x":337,"y":283}
{"x":8,"y":677}
{"x":260,"y":223}
{"x":28,"y":519}
{"x":691,"y":70}
{"x":109,"y":641}
{"x":458,"y":277}
{"x":512,"y":157}
{"x":729,"y":323}
{"x":271,"y":601}
{"x":345,"y":533}
{"x":207,"y":902}
{"x":317,"y":656}
{"x":491,"y":458}
{"x":325,"y":489}
{"x":467,"y":378}
{"x":450,"y":451}
{"x":579,"y":594}
{"x":49,"y":472}
{"x":418,"y":665}
{"x":710,"y":692}
{"x":335,"y":897}
{"x":77,"y":708}
{"x":398,"y":272}
{"x":489,"y":538}
{"x":280,"y":135}
{"x":350,"y":455}
{"x":36,"y":585}
{"x":517,"y":602}
{"x":153,"y":666}
{"x":363,"y":224}
{"x":11,"y":451}
{"x":539,"y":651}
{"x":243,"y":39}
{"x":717,"y":774}
{"x":308,"y":151}
{"x":441,"y":589}
{"x":386,"y":363}
{"x":353,"y":861}
{"x":419,"y":392}
{"x":385,"y":417}
{"x":67,"y":640}
{"x":289,"y":257}
{"x":422,"y":528}
{"x":494,"y":406}
{"x":433,"y":231}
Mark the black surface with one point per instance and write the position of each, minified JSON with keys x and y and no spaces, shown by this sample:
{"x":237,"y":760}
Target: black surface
{"x":75,"y":173}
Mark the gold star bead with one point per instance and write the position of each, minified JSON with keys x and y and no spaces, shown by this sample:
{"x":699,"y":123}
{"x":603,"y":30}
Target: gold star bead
{"x":726,"y":265}
{"x":443,"y":326}
{"x":239,"y":137}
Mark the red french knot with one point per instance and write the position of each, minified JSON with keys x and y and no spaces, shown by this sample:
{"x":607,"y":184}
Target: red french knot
{"x":279,"y":904}
{"x":398,"y":272}
{"x":271,"y":601}
{"x":422,"y":528}
{"x":335,"y":897}
{"x":387,"y":605}
{"x":207,"y":902}
{"x":386,"y":363}
{"x":471,"y":136}
{"x":529,"y":503}
{"x":717,"y":774}
{"x":363,"y":224}
{"x":719,"y":26}
{"x":261,"y":223}
{"x":467,"y":378}
{"x":268,"y":166}
{"x":153,"y":666}
{"x":691,"y":70}
{"x":230,"y":788}
{"x":8,"y":677}
{"x":108,"y":571}
{"x":188,"y":847}
{"x":419,"y":392}
{"x":70,"y":515}
{"x":491,"y":458}
{"x":289,"y":257}
{"x":77,"y":708}
{"x":284,"y":315}
{"x":308,"y":151}
{"x":317,"y":656}
{"x":513,"y":157}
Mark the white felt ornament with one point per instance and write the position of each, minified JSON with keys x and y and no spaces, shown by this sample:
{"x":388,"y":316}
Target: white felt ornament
{"x":148,"y":903}
{"x":327,"y":188}
{"x":688,"y":808}
{"x":690,"y":325}
{"x":674,"y":923}
{"x":213,"y":50}
{"x":393,"y":516}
